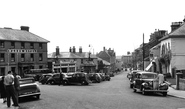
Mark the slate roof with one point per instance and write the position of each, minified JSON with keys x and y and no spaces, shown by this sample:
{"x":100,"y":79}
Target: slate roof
{"x":64,"y":55}
{"x":104,"y":61}
{"x":19,"y":35}
{"x":178,"y":33}
{"x":85,"y":55}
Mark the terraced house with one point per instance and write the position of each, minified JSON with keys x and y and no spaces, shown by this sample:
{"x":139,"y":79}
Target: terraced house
{"x":21,"y":50}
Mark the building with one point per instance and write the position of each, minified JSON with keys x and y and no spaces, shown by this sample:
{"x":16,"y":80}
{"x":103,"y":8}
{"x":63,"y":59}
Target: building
{"x":72,"y":61}
{"x":109,"y":56}
{"x":21,"y":50}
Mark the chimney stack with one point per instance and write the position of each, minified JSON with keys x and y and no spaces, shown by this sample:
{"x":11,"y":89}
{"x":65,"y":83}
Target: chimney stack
{"x":70,"y":49}
{"x":80,"y":50}
{"x":103,"y":48}
{"x":25,"y":28}
{"x":74,"y":50}
{"x":57,"y":51}
{"x":175,"y":25}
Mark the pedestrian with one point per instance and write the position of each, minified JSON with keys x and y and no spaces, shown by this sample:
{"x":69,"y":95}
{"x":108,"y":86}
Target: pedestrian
{"x":16,"y":85}
{"x":60,"y":79}
{"x":10,"y":89}
{"x":2,"y":90}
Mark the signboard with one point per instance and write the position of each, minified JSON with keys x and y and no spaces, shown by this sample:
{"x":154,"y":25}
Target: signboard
{"x":22,"y":50}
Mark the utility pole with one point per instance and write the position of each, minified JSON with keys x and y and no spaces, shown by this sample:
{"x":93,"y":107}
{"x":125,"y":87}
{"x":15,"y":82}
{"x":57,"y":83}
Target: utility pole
{"x":143,"y":52}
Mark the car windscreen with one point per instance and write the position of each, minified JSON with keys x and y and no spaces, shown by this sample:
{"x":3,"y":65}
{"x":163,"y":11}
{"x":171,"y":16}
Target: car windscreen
{"x":149,"y":76}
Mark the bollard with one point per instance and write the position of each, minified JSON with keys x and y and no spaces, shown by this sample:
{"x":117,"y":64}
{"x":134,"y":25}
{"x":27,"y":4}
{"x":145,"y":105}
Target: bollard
{"x":177,"y":80}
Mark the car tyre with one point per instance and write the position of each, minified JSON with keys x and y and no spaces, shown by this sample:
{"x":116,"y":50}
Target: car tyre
{"x":64,"y":83}
{"x":51,"y":82}
{"x":38,"y":96}
{"x":131,"y":85}
{"x":164,"y":93}
{"x":83,"y":82}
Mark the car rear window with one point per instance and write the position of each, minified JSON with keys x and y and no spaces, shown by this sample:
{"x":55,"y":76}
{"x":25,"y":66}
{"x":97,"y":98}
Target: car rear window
{"x":26,"y":81}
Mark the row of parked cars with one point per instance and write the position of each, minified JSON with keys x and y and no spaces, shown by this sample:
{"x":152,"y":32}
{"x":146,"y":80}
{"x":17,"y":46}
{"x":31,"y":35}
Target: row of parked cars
{"x":73,"y":78}
{"x":146,"y":82}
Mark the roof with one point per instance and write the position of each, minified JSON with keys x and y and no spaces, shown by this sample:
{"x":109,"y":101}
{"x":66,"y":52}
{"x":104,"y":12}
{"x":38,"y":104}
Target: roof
{"x":71,"y":55}
{"x":19,"y":35}
{"x":104,"y":61}
{"x":178,"y":33}
{"x":63,"y":55}
{"x":85,"y":55}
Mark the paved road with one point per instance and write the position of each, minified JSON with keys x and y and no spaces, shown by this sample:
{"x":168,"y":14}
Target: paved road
{"x":114,"y":94}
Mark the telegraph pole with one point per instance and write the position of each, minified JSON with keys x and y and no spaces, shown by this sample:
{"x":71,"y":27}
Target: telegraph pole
{"x":143,"y":52}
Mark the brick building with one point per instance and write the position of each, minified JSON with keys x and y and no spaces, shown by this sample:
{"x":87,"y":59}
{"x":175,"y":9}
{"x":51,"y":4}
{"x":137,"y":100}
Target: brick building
{"x":21,"y":50}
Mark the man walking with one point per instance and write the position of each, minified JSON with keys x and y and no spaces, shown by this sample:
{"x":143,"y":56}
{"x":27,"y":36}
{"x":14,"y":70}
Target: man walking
{"x":10,"y":90}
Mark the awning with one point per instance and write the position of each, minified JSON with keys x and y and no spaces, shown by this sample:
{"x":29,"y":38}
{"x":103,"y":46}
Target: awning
{"x":148,"y":67}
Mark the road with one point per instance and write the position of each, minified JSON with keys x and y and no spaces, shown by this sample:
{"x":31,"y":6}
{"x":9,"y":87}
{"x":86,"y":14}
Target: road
{"x":114,"y":94}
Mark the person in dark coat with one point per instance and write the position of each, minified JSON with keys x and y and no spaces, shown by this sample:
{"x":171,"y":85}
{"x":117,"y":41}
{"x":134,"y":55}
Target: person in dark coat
{"x":60,"y":79}
{"x":16,"y":85}
{"x":2,"y":90}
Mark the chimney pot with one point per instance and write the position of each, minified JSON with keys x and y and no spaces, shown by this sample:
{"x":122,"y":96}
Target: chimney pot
{"x":25,"y":28}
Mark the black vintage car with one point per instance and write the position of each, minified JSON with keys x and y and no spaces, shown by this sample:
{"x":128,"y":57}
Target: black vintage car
{"x":77,"y":78}
{"x":44,"y":77}
{"x":147,"y":82}
{"x":94,"y":77}
{"x":55,"y":78}
{"x":132,"y":76}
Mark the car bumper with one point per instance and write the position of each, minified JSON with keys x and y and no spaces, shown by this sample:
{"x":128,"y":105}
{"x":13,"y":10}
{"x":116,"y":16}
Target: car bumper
{"x":33,"y":94}
{"x":156,"y":90}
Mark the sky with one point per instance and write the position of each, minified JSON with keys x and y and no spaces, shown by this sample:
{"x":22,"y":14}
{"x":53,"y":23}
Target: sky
{"x":115,"y":24}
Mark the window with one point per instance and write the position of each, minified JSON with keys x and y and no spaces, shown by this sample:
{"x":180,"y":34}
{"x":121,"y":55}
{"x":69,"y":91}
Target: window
{"x":2,"y":71}
{"x":32,"y":57}
{"x":12,"y":57}
{"x":31,"y":45}
{"x":81,"y":61}
{"x":22,"y":45}
{"x":22,"y":57}
{"x":40,"y":57}
{"x":40,"y":45}
{"x":1,"y":44}
{"x":2,"y":58}
{"x":12,"y":44}
{"x":40,"y":67}
{"x":13,"y":69}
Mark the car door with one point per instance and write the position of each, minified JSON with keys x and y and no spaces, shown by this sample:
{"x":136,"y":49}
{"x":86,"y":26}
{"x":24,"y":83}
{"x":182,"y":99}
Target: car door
{"x":138,"y":80}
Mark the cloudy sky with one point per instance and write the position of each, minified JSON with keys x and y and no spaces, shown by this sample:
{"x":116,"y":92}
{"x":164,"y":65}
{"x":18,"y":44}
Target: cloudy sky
{"x":115,"y":24}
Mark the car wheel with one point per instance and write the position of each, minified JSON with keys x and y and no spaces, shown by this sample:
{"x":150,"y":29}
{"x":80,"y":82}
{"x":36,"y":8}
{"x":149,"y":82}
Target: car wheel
{"x":164,"y":93}
{"x":52,"y":82}
{"x":83,"y":83}
{"x":134,"y":89}
{"x":131,"y":85}
{"x":64,"y":83}
{"x":38,"y":96}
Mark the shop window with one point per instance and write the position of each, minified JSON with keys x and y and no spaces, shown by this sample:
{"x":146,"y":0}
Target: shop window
{"x":40,"y":57}
{"x":1,"y":44}
{"x":40,"y":67}
{"x":12,"y":57}
{"x":13,"y":69}
{"x":22,"y":57}
{"x":2,"y":57}
{"x":32,"y":57}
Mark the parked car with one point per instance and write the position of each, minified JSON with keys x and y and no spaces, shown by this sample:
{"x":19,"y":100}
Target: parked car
{"x":132,"y":76}
{"x":102,"y":76}
{"x":107,"y":77}
{"x":94,"y":77}
{"x":44,"y":77}
{"x":55,"y":78}
{"x":76,"y":78}
{"x":147,"y":82}
{"x":28,"y":87}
